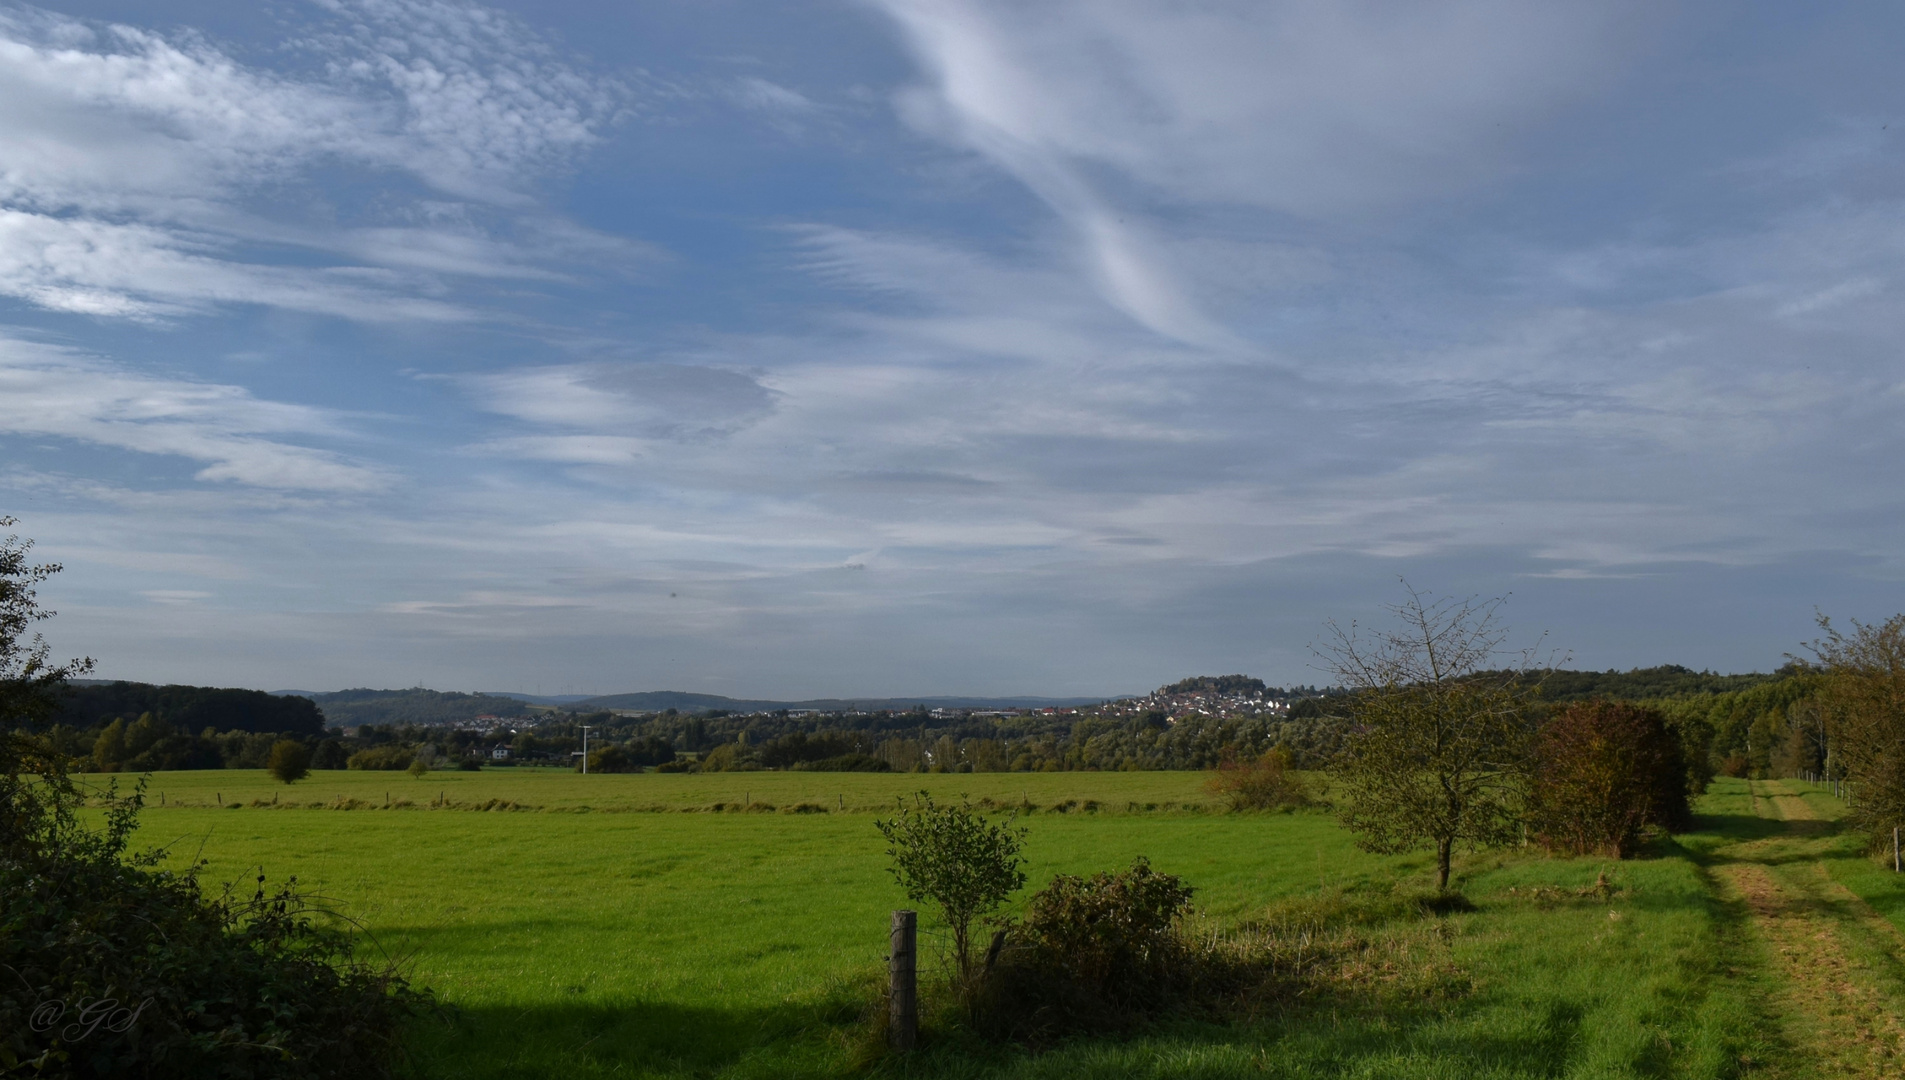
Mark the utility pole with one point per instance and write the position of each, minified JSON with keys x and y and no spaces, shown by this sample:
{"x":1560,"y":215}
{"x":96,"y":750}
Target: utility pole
{"x":585,"y":749}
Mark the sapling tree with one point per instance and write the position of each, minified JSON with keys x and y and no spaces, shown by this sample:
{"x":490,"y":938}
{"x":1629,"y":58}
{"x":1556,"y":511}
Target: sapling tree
{"x":1439,"y":735}
{"x":952,"y":857}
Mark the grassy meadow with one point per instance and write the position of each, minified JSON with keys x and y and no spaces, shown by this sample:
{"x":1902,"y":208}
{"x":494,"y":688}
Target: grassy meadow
{"x":734,"y":925}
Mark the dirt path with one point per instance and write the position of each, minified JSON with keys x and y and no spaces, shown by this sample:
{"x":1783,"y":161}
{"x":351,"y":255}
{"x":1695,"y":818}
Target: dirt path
{"x":1838,"y":1017}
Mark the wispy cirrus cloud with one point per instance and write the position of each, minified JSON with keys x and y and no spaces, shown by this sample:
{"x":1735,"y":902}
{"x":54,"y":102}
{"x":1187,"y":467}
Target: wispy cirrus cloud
{"x":1111,"y":111}
{"x":232,"y":436}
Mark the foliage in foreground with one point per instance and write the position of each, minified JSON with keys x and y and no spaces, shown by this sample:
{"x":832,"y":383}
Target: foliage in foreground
{"x":116,"y":968}
{"x":121,"y":970}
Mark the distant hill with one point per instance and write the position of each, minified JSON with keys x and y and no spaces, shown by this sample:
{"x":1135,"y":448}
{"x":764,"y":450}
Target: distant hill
{"x":658,"y":700}
{"x":350,"y":708}
{"x":538,"y":699}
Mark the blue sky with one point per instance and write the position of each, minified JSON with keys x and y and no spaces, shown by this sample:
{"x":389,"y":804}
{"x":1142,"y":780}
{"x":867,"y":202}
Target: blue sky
{"x":895,"y":347}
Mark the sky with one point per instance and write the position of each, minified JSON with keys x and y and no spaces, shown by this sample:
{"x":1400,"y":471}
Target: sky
{"x":891,"y":347}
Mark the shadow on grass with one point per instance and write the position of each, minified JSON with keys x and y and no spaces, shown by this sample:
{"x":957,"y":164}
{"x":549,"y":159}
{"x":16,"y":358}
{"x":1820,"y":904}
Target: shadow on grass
{"x":633,"y":1038}
{"x":1736,"y":828}
{"x":832,"y":1038}
{"x":1323,"y":1038}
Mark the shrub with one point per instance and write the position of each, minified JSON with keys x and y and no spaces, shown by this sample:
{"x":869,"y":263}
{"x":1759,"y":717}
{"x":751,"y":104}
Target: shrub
{"x":224,"y":985}
{"x":1735,"y":765}
{"x":610,"y":759}
{"x":650,"y":750}
{"x":417,"y":767}
{"x":1267,"y":783}
{"x":1094,"y":953}
{"x":845,"y":763}
{"x":290,"y":761}
{"x":955,"y":858}
{"x":390,"y":757}
{"x":726,"y":758}
{"x":1605,"y":773}
{"x":1114,"y":952}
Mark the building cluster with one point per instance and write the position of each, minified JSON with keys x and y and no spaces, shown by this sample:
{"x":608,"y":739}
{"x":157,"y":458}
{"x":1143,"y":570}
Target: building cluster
{"x":1210,"y":703}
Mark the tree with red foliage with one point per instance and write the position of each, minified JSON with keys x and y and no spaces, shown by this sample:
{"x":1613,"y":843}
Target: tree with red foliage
{"x":1606,"y":772}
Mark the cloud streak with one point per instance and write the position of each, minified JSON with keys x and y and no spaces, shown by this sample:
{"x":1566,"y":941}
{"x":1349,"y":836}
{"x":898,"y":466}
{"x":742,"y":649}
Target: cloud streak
{"x":231,"y":435}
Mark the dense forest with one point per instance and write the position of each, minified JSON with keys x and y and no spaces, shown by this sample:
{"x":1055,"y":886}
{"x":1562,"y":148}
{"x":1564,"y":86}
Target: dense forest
{"x":1648,"y":684}
{"x":189,"y":708}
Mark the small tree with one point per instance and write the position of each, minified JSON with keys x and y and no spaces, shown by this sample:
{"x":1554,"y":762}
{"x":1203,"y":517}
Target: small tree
{"x":1437,"y":743}
{"x":290,"y":761}
{"x":956,"y":859}
{"x":1604,"y":773}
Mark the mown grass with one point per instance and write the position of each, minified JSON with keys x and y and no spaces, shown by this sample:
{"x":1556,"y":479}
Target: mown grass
{"x":748,"y":945}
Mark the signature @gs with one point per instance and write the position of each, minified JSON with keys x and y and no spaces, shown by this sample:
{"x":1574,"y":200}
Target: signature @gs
{"x":89,"y":1016}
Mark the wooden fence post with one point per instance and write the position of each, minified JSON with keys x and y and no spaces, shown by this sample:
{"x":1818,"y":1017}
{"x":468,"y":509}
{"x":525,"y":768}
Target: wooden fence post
{"x":1894,"y":849}
{"x":902,"y":968}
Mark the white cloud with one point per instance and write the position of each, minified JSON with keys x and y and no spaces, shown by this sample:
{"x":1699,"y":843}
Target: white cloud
{"x":234,"y":436}
{"x":138,"y":271}
{"x":754,"y":92}
{"x":635,"y":400}
{"x":141,"y":175}
{"x":1307,"y":108}
{"x":1303,"y":107}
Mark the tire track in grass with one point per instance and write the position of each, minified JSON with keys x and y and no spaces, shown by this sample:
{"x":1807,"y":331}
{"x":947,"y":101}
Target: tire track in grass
{"x":1836,"y":1015}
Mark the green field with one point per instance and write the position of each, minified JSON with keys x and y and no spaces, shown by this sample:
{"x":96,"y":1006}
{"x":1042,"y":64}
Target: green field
{"x":626,"y":928}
